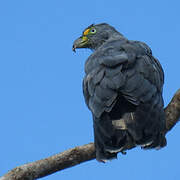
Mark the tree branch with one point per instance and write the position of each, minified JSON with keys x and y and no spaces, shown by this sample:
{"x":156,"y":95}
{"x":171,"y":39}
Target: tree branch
{"x":79,"y":154}
{"x":172,"y":111}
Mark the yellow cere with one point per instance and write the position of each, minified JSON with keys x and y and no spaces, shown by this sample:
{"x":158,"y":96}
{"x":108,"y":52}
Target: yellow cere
{"x":86,"y":32}
{"x":84,"y":38}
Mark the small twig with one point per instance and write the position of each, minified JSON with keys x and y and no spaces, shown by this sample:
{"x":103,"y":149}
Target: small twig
{"x":79,"y":154}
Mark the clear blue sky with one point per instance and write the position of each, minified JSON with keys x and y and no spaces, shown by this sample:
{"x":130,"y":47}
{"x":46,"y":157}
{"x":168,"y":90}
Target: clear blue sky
{"x":42,"y":110}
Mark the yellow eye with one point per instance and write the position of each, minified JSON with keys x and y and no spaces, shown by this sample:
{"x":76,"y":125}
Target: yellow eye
{"x":93,"y":31}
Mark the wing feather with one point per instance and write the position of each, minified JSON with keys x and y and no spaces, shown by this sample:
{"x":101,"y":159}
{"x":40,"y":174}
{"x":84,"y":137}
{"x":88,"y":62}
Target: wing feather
{"x":129,"y":70}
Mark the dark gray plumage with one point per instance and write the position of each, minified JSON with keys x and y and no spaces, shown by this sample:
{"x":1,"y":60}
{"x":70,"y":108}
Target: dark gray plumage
{"x":123,"y":89}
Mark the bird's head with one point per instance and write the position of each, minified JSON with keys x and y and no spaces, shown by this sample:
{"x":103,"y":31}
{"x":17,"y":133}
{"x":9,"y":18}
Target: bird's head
{"x":94,"y":36}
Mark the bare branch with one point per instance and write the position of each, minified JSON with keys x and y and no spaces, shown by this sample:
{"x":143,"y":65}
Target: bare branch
{"x":172,"y":111}
{"x":52,"y":164}
{"x":79,"y":154}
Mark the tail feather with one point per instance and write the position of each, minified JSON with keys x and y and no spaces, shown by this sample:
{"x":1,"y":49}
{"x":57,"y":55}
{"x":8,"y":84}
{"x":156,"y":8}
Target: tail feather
{"x":120,"y":129}
{"x":107,"y":141}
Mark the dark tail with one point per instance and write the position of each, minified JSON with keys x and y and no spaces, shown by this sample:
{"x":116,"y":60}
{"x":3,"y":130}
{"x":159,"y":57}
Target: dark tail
{"x":108,"y":141}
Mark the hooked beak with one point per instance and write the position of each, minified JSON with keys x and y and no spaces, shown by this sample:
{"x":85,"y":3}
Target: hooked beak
{"x":80,"y":43}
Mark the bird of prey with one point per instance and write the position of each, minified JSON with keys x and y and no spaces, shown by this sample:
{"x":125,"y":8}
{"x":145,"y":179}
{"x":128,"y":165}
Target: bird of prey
{"x":122,"y":87}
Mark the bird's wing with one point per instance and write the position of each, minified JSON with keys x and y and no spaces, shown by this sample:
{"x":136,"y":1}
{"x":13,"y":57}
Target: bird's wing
{"x":126,"y":69}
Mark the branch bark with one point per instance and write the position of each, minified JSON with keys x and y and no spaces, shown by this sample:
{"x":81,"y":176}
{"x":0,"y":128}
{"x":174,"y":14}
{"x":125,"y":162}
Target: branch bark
{"x":172,"y":111}
{"x":79,"y":154}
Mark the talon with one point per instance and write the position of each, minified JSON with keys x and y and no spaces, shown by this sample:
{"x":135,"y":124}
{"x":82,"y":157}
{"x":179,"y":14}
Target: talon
{"x":124,"y":152}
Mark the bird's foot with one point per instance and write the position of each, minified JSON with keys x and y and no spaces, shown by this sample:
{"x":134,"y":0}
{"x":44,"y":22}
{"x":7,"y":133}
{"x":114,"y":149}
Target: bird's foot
{"x":123,"y":152}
